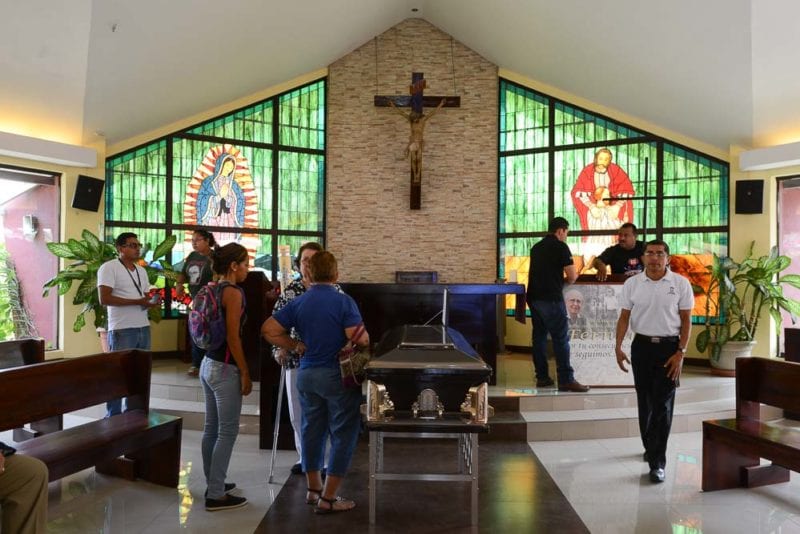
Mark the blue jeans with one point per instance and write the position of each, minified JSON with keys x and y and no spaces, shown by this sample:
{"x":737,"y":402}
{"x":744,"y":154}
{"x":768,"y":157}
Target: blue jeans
{"x":222,"y":386}
{"x":551,"y":317}
{"x":125,"y":339}
{"x":328,"y":408}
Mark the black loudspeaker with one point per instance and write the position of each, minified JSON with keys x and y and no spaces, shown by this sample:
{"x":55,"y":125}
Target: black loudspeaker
{"x":750,"y":196}
{"x":87,"y":193}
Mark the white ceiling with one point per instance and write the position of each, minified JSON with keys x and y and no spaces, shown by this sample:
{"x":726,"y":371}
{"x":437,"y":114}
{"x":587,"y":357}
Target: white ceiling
{"x":721,"y":71}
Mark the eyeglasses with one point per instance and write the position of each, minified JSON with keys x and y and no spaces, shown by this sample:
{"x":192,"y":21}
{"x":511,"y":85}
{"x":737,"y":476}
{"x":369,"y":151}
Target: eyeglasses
{"x":659,"y":254}
{"x":132,"y":245}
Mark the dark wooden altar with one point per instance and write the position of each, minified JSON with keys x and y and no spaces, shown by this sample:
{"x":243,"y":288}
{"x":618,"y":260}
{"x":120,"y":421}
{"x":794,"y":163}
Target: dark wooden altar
{"x":472,"y":309}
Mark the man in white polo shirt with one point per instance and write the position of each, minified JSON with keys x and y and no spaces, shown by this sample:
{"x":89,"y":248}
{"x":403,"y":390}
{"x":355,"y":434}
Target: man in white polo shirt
{"x":123,"y":287}
{"x":657,"y":304}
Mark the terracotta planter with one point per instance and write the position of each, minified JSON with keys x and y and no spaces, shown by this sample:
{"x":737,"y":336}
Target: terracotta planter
{"x":726,"y":365}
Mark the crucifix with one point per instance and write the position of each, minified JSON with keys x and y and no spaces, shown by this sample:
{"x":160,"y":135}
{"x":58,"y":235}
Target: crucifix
{"x":416,"y":119}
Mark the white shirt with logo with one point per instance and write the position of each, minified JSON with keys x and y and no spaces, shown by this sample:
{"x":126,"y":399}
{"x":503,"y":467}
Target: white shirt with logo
{"x":654,"y":304}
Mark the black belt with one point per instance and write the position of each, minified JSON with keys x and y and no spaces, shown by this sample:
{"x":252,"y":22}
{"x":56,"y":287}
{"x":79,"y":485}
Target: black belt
{"x":657,"y":339}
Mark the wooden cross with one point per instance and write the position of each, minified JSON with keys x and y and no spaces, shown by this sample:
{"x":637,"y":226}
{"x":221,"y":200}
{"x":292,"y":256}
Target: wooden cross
{"x":416,"y":117}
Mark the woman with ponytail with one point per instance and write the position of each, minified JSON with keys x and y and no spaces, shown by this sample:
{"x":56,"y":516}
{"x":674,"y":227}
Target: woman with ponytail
{"x":225,"y":378}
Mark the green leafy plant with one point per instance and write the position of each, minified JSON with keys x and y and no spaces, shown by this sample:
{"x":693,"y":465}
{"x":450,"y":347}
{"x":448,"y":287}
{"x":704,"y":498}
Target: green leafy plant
{"x":739,"y":292}
{"x":15,"y":319}
{"x":88,"y":254}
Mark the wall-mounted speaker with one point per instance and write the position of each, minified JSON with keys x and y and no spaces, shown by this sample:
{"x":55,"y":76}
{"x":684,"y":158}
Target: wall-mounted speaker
{"x":87,"y":193}
{"x":750,"y":196}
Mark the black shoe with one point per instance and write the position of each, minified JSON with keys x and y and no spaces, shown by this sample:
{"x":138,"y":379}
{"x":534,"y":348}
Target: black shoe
{"x":545,"y":383}
{"x":573,"y":386}
{"x":228,"y":487}
{"x":657,"y":475}
{"x":297,"y":469}
{"x":229,"y":502}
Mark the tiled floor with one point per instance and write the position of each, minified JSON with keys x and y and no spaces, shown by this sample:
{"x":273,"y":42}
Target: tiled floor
{"x":604,"y":480}
{"x":606,"y":483}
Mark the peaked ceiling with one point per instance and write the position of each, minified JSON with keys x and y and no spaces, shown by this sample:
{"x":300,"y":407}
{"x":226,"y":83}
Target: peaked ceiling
{"x":721,"y":71}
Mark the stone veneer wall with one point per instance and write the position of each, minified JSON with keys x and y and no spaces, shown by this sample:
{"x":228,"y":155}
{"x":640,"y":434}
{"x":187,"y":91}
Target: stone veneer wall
{"x":370,"y":227}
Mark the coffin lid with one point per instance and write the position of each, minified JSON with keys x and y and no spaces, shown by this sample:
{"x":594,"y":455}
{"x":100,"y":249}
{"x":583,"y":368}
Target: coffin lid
{"x":425,"y":347}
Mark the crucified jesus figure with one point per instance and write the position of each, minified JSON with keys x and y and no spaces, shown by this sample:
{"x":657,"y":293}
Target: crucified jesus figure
{"x":415,"y":140}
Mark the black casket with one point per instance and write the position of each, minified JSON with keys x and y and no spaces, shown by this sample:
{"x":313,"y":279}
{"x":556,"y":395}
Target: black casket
{"x":426,"y":373}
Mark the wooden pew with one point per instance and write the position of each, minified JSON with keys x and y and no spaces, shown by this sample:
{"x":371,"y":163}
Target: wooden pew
{"x":733,"y":448}
{"x":20,"y":352}
{"x":151,"y":442}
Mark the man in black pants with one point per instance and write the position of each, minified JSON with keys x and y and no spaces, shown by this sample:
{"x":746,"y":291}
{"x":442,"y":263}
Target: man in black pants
{"x":657,"y":304}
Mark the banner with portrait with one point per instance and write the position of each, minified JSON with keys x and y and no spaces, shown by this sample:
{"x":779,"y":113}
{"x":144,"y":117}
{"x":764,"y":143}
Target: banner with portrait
{"x":592,"y":313}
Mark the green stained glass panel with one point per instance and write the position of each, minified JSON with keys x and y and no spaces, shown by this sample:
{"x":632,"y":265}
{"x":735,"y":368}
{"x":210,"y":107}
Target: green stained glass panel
{"x":703,"y":181}
{"x":523,"y":185}
{"x":251,"y":124}
{"x":302,"y":117}
{"x":300,"y":199}
{"x":697,"y":242}
{"x":574,"y":126}
{"x":524,"y":118}
{"x":136,"y":185}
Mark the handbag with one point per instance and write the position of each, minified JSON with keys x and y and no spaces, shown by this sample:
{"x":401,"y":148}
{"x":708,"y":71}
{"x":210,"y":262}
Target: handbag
{"x":352,"y":360}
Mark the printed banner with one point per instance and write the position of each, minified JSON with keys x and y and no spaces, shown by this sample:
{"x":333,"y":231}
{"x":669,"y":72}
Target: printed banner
{"x":592,"y":311}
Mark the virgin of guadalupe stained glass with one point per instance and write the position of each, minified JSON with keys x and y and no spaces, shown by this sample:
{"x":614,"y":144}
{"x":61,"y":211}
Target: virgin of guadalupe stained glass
{"x":221,"y":193}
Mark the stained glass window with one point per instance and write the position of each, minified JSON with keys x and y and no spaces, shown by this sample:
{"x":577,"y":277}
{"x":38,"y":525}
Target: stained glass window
{"x":557,"y":159}
{"x":255,"y":176}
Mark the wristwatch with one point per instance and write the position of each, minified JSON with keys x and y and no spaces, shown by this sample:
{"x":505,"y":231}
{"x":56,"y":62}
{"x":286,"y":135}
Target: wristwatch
{"x":682,"y":349}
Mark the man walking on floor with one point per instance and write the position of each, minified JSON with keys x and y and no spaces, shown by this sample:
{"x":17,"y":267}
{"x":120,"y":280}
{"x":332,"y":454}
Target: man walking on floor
{"x":657,"y":305}
{"x":551,"y":266}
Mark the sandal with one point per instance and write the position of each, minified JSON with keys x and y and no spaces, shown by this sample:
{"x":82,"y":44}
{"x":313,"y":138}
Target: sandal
{"x":312,"y":500}
{"x":337,"y":504}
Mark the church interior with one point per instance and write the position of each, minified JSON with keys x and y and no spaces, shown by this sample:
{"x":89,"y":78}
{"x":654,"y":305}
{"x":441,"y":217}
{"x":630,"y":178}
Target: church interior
{"x":426,"y":144}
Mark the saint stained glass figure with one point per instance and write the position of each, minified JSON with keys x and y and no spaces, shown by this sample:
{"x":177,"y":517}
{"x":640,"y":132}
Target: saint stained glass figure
{"x":221,"y":194}
{"x":600,"y":196}
{"x":220,"y":201}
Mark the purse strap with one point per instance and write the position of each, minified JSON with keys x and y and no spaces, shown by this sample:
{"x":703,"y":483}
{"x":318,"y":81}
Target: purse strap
{"x":357,"y":333}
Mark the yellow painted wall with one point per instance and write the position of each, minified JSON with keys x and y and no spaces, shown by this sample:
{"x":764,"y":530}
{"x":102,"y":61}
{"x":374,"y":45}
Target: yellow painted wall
{"x":761,"y":228}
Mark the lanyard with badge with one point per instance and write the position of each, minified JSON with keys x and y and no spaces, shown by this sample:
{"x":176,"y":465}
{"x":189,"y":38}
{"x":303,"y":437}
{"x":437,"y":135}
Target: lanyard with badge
{"x":137,"y":285}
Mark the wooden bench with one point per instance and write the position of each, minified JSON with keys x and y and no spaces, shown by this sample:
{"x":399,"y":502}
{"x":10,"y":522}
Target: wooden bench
{"x":733,"y":448}
{"x":151,"y":442}
{"x":17,"y":353}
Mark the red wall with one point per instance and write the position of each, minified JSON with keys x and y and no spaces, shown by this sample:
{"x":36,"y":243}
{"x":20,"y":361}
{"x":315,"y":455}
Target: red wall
{"x":34,"y":263}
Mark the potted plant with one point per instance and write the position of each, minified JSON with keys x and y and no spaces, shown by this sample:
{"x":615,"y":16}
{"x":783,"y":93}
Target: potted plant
{"x":89,"y":253}
{"x":736,"y":295}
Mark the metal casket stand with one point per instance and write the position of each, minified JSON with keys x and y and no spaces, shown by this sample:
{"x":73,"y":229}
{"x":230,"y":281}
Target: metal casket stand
{"x":426,"y":382}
